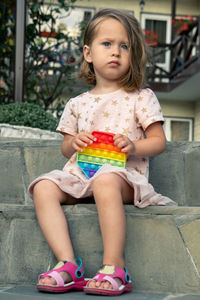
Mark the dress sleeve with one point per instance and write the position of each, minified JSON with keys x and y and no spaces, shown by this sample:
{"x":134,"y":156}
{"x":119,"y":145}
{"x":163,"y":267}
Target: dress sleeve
{"x":69,"y":122}
{"x":148,"y":110}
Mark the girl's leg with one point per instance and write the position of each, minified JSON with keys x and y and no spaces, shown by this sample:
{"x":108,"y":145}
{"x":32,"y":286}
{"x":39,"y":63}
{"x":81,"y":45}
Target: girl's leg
{"x":110,"y":191}
{"x":47,"y":200}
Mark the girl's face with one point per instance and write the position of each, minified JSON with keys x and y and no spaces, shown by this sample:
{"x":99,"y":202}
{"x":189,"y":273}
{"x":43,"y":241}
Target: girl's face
{"x":109,"y":52}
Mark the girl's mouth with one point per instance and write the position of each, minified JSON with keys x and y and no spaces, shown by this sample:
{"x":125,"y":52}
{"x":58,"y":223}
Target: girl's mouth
{"x":114,"y":63}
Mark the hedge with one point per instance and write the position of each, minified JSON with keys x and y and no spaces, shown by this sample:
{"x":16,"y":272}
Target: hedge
{"x":27,"y":114}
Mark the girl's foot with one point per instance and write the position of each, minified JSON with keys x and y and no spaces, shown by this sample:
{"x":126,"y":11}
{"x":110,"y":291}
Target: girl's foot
{"x":48,"y":280}
{"x":104,"y":285}
{"x":51,"y":281}
{"x":64,"y":277}
{"x":109,"y":280}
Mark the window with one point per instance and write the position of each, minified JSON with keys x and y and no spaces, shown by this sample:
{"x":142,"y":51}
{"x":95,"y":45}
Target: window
{"x":68,"y":21}
{"x":158,"y":27}
{"x":76,"y":15}
{"x":178,"y":129}
{"x":161,"y":25}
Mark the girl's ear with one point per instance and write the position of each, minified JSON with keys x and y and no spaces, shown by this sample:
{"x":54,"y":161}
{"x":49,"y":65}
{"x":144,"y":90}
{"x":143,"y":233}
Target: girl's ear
{"x":87,"y":53}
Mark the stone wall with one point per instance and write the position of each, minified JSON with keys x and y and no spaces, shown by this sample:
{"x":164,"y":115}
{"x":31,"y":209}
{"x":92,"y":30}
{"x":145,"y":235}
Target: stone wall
{"x":162,"y":245}
{"x":175,"y":173}
{"x":23,"y":132}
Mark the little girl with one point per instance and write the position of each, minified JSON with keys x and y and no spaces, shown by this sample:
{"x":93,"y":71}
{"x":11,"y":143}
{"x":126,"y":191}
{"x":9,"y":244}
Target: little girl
{"x":114,"y":62}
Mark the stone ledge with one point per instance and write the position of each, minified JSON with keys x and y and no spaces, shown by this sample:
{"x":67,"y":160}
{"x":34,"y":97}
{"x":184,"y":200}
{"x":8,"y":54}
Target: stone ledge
{"x":23,"y":160}
{"x":162,"y":248}
{"x":175,"y":173}
{"x":17,"y":210}
{"x":15,"y":131}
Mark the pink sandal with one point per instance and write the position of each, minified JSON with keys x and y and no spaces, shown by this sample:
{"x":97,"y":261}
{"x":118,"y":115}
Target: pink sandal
{"x":78,"y":281}
{"x":109,"y":273}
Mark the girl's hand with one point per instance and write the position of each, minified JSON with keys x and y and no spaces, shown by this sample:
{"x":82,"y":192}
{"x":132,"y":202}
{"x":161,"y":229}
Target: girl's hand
{"x":124,"y":143}
{"x":81,"y":140}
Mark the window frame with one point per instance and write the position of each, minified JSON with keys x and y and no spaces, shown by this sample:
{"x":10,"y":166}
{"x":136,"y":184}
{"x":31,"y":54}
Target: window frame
{"x":167,"y":126}
{"x":160,"y":17}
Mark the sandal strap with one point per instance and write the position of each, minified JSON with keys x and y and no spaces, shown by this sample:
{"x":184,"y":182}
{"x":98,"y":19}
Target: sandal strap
{"x":113,"y":282}
{"x":110,"y":273}
{"x":58,"y":278}
{"x":113,"y":272}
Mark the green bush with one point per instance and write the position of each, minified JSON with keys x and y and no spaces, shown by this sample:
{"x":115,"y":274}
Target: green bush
{"x":27,"y":114}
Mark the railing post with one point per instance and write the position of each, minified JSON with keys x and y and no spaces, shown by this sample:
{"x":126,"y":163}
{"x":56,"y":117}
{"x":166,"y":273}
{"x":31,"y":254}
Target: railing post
{"x":198,"y":39}
{"x":19,"y":50}
{"x":173,"y":16}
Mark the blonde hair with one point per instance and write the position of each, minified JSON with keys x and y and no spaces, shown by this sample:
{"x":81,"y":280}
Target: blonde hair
{"x":134,"y":79}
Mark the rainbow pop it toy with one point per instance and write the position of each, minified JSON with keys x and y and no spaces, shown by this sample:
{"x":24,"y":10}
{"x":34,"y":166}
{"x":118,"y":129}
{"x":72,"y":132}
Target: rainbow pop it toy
{"x":102,"y":151}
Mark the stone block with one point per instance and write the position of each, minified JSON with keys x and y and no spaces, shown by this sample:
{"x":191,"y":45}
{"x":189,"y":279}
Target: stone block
{"x":42,"y":159}
{"x":11,"y":175}
{"x":15,"y":131}
{"x":4,"y":233}
{"x":162,"y":245}
{"x":192,"y":175}
{"x":28,"y":252}
{"x":157,"y":255}
{"x":191,"y":237}
{"x":175,"y":173}
{"x":23,"y":251}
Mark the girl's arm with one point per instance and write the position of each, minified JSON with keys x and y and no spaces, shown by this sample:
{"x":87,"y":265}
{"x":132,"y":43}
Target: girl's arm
{"x":71,"y":143}
{"x":153,"y":144}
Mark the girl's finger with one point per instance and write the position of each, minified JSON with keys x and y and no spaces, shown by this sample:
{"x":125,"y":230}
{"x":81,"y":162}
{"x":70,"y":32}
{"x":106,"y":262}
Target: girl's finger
{"x":120,"y":144}
{"x":77,"y":148}
{"x":125,"y":149}
{"x":82,"y":138}
{"x":129,"y":148}
{"x":81,"y":143}
{"x":116,"y":136}
{"x":88,"y":138}
{"x":118,"y":140}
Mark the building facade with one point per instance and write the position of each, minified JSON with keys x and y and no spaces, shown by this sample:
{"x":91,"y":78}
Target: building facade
{"x":180,"y":105}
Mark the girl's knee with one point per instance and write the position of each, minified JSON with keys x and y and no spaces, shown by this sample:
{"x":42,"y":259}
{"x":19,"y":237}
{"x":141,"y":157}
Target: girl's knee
{"x":42,"y":187}
{"x":106,"y":180}
{"x":48,"y":191}
{"x":109,"y":183}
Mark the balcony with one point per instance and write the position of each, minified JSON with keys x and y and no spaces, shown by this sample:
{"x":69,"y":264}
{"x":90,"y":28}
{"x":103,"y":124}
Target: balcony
{"x":179,"y":76}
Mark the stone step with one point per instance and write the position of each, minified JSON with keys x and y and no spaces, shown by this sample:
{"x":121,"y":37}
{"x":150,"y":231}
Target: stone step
{"x":162,"y":247}
{"x":175,"y":173}
{"x":15,"y":131}
{"x":30,"y":293}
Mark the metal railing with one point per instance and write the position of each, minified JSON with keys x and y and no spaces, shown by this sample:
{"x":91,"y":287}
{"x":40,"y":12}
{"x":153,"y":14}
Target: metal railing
{"x":182,"y":53}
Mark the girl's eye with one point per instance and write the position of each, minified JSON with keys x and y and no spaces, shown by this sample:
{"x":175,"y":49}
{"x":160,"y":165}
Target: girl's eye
{"x":107,"y":44}
{"x":125,"y":47}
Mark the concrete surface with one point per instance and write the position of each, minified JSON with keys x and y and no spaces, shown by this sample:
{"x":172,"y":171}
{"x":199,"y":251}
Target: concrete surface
{"x":162,"y":249}
{"x":15,"y":131}
{"x":175,"y":173}
{"x":30,"y":293}
{"x":162,"y":246}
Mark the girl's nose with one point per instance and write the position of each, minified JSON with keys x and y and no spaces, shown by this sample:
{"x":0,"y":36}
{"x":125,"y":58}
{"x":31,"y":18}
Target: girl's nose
{"x":116,"y":51}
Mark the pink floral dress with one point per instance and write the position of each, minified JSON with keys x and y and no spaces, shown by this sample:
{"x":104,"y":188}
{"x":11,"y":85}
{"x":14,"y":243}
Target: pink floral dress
{"x":116,"y":112}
